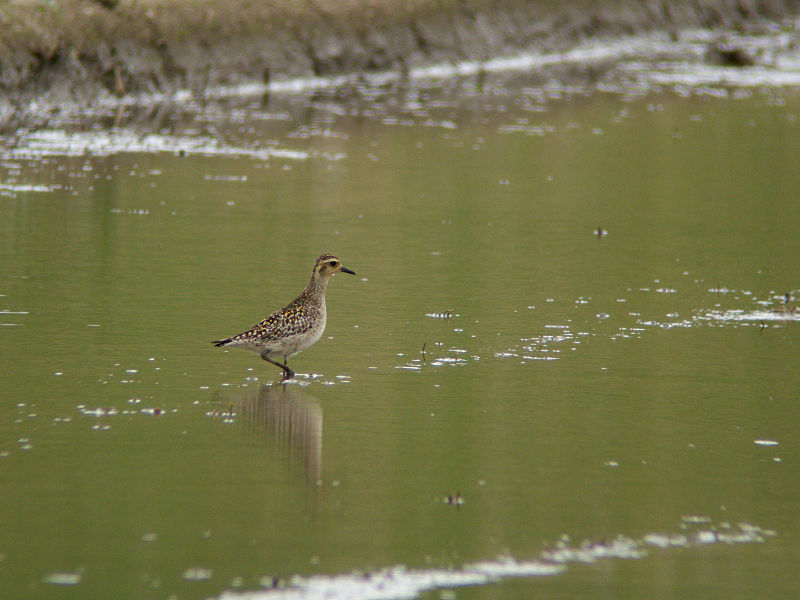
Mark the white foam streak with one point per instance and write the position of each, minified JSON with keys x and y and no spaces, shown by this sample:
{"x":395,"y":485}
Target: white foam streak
{"x":399,"y":582}
{"x":396,"y":582}
{"x":57,"y":142}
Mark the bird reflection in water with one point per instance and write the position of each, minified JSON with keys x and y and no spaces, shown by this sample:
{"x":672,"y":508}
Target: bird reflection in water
{"x":288,"y":418}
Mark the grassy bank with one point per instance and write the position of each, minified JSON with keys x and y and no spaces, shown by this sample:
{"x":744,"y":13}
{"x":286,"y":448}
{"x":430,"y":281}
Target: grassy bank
{"x":54,"y":52}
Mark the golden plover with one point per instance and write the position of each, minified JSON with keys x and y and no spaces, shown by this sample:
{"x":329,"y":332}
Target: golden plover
{"x":296,"y":326}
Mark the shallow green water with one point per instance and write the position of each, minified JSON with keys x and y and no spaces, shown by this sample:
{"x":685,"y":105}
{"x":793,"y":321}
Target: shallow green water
{"x":574,"y":391}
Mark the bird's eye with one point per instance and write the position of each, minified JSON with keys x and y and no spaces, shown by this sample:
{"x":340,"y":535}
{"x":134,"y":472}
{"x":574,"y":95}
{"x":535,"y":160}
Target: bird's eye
{"x":334,"y":264}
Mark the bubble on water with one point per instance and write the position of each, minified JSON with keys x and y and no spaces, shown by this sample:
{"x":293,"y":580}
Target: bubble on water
{"x":197,"y":574}
{"x":62,"y":578}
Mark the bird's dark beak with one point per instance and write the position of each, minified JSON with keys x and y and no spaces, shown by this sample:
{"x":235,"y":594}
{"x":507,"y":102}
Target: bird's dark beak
{"x":346,"y":270}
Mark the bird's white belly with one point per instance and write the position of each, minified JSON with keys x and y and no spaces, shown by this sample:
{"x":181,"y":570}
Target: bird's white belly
{"x":291,"y":345}
{"x":298,"y":343}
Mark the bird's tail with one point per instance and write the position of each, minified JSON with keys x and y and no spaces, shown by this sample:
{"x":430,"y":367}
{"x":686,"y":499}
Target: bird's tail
{"x":219,"y":343}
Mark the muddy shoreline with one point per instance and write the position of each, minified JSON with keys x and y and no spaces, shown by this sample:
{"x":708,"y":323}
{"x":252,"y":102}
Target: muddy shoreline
{"x":68,"y":55}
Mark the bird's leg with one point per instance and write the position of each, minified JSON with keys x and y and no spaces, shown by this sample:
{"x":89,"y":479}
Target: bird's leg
{"x":287,"y":372}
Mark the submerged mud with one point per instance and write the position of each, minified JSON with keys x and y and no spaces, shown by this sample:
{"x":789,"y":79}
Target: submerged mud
{"x":57,"y":56}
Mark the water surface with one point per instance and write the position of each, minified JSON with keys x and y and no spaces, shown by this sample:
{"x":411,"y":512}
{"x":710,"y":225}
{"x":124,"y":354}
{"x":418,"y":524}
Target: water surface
{"x":506,"y":402}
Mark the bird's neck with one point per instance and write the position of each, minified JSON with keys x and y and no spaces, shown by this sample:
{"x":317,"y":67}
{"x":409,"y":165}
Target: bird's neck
{"x":316,"y":287}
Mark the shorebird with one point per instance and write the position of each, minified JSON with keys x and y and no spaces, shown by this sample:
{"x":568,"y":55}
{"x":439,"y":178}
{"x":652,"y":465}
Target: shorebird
{"x":295,"y":327}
